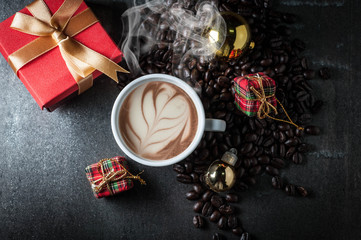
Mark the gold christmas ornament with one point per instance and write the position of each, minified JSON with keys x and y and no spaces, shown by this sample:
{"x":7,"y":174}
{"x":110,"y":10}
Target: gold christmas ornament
{"x":237,"y":39}
{"x":221,"y":175}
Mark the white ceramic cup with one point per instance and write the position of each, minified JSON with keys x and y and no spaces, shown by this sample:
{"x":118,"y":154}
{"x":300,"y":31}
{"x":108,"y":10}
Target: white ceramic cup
{"x":204,"y":124}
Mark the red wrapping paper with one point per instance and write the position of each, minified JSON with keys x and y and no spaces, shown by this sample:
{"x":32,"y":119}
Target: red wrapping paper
{"x":47,"y":77}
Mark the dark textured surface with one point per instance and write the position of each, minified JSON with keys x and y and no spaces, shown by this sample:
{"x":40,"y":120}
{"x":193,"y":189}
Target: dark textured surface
{"x":44,"y":193}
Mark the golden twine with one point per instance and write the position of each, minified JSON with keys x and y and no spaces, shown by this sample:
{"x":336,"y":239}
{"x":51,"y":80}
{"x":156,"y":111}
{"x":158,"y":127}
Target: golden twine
{"x":265,"y":106}
{"x":113,"y":176}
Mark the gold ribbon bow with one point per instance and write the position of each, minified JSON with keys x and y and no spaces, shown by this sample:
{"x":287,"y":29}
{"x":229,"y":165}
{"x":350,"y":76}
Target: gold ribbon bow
{"x":265,"y":106}
{"x":58,"y":30}
{"x":113,"y":176}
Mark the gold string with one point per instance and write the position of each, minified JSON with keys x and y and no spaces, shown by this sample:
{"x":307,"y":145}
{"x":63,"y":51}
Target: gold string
{"x":261,"y":96}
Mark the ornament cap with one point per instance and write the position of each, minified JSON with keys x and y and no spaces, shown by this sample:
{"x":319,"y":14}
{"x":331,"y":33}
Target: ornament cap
{"x":230,"y":157}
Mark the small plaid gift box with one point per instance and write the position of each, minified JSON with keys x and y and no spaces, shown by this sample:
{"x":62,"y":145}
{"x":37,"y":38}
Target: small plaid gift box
{"x":255,"y":94}
{"x":110,"y":176}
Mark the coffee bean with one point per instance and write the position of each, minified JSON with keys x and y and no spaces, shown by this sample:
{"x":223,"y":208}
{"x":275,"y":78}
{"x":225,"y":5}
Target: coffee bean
{"x":207,"y":195}
{"x":290,"y":189}
{"x":198,"y":188}
{"x":282,"y":150}
{"x":217,"y":200}
{"x":324,"y":73}
{"x":264,"y":159}
{"x":291,"y":142}
{"x":277,"y":163}
{"x":312,"y":130}
{"x":250,"y":137}
{"x":302,"y":148}
{"x":245,"y":236}
{"x":188,"y":167}
{"x":218,"y":236}
{"x":178,"y":168}
{"x":198,"y":221}
{"x":232,"y":198}
{"x":226,"y":209}
{"x":290,"y":152}
{"x":282,"y":137}
{"x":237,"y":231}
{"x":277,"y":182}
{"x":222,"y":223}
{"x":207,"y":209}
{"x":198,"y":206}
{"x":272,"y":171}
{"x":284,"y":126}
{"x":215,"y":216}
{"x":192,"y":195}
{"x":195,"y":177}
{"x":232,"y":221}
{"x":297,"y":158}
{"x":255,"y":170}
{"x":302,"y":191}
{"x":183,"y":178}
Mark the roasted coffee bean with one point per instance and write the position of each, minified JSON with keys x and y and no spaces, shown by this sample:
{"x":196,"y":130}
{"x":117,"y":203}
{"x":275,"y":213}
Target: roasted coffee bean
{"x":282,"y":150}
{"x":324,"y":73}
{"x":302,"y":148}
{"x":297,"y":158}
{"x":198,"y":188}
{"x":277,"y":182}
{"x":231,"y":198}
{"x":250,"y":137}
{"x":277,"y":163}
{"x":290,"y":152}
{"x":222,"y":223}
{"x":198,"y":221}
{"x":264,"y":159}
{"x":302,"y":191}
{"x":255,"y":170}
{"x":237,"y":231}
{"x":291,"y":142}
{"x":218,"y":236}
{"x":183,"y":178}
{"x":312,"y":130}
{"x":198,"y":206}
{"x":272,"y":171}
{"x":192,"y":195}
{"x":284,"y":126}
{"x":246,"y":148}
{"x":289,"y":133}
{"x":290,"y":189}
{"x":207,"y":209}
{"x":309,"y":74}
{"x":232,"y":221}
{"x":178,"y":168}
{"x":195,"y":177}
{"x":207,"y":195}
{"x":245,"y":236}
{"x":188,"y":167}
{"x":217,"y":200}
{"x":282,"y":137}
{"x":226,"y":209}
{"x":215,"y":216}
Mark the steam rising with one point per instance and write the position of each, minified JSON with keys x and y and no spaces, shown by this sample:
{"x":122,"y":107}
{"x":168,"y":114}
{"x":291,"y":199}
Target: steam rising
{"x":168,"y":24}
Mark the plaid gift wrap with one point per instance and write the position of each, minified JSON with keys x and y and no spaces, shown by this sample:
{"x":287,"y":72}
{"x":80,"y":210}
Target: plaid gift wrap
{"x":254,"y":93}
{"x":110,"y":176}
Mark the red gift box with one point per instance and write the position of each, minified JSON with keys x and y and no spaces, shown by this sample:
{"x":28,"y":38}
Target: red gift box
{"x":110,"y":176}
{"x":47,"y":77}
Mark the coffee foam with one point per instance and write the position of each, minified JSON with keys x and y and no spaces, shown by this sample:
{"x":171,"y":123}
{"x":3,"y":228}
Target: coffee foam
{"x":158,"y":120}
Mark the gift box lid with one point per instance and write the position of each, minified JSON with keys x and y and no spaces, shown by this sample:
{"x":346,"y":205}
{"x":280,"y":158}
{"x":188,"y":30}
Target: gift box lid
{"x":47,"y":77}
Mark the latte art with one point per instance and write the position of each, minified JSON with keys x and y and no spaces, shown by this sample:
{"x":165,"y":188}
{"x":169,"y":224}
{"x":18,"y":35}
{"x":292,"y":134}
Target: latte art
{"x":158,"y":120}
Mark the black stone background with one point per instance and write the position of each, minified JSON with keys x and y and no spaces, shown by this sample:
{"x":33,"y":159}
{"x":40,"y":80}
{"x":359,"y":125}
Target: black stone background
{"x":44,"y":193}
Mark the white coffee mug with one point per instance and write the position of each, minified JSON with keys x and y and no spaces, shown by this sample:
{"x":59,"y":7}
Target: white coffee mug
{"x":215,"y":125}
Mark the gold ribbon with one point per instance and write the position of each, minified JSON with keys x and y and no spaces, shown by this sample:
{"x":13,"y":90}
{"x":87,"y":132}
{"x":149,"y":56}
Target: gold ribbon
{"x":58,"y":30}
{"x":265,"y":106}
{"x":113,"y":176}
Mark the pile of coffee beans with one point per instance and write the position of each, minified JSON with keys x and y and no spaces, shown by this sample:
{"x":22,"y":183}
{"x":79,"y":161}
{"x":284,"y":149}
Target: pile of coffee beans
{"x":263,"y":145}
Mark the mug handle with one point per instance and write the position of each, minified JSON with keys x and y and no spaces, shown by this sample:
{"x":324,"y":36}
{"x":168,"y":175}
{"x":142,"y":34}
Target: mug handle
{"x":215,"y":125}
